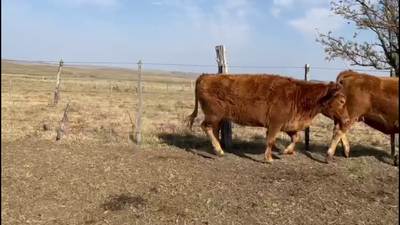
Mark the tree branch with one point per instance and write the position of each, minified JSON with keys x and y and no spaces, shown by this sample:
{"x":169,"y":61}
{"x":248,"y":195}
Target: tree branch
{"x":381,"y":19}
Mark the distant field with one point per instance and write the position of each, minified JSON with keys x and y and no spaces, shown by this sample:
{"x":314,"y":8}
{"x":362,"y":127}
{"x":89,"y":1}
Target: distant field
{"x":88,"y":73}
{"x":95,"y":175}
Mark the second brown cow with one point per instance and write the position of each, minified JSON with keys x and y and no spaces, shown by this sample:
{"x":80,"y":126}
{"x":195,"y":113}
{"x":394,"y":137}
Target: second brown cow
{"x":370,"y":99}
{"x":271,"y":101}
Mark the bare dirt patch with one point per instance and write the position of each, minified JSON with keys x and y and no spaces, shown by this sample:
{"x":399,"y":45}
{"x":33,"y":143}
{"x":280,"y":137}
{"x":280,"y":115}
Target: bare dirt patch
{"x":50,"y":183}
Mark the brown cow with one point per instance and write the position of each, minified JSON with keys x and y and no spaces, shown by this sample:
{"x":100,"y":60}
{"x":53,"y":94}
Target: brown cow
{"x":271,"y":101}
{"x":370,"y":99}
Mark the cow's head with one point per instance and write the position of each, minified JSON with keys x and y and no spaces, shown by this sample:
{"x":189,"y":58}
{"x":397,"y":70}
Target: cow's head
{"x":333,"y":104}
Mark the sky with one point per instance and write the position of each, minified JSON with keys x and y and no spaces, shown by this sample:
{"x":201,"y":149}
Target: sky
{"x":271,"y":34}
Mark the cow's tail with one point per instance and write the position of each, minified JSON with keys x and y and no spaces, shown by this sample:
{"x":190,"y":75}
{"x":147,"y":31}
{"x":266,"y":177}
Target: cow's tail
{"x":343,"y":75}
{"x":193,"y":116}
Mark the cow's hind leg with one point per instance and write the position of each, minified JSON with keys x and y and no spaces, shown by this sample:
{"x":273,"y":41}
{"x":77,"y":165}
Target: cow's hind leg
{"x":294,"y":136}
{"x":209,"y":130}
{"x":272,"y":133}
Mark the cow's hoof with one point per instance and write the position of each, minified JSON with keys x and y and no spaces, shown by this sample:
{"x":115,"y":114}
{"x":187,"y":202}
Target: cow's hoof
{"x":346,"y":154}
{"x":328,"y":159}
{"x":219,"y":153}
{"x":269,"y":161}
{"x":287,"y":151}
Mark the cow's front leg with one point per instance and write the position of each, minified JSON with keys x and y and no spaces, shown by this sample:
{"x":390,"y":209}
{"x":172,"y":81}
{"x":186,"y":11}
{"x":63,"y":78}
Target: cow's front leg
{"x":272,"y":133}
{"x":215,"y":143}
{"x":338,"y":133}
{"x":344,"y":140}
{"x":216,"y":130}
{"x":346,"y":145}
{"x":294,"y":137}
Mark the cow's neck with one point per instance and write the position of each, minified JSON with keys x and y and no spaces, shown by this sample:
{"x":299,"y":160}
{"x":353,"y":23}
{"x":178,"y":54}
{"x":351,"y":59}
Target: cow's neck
{"x":315,"y":110}
{"x":311,"y":101}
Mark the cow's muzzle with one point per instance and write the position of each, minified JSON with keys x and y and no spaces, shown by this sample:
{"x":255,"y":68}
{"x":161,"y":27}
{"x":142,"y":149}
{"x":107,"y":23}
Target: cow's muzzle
{"x":346,"y":120}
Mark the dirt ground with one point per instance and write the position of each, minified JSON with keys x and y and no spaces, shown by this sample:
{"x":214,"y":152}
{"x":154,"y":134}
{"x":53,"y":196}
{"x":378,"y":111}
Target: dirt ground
{"x":44,"y":182}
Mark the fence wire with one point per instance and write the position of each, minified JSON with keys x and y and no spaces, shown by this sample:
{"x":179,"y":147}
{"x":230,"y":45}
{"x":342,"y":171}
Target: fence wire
{"x":105,"y":63}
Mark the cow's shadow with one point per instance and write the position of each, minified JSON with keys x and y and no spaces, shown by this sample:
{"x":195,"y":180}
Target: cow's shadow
{"x":201,"y":146}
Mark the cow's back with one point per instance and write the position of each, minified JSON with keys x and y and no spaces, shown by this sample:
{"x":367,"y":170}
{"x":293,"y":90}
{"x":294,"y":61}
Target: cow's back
{"x":249,"y":100}
{"x":376,"y":99}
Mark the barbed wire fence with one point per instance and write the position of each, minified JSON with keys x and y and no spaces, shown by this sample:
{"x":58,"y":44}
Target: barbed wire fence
{"x":132,"y":107}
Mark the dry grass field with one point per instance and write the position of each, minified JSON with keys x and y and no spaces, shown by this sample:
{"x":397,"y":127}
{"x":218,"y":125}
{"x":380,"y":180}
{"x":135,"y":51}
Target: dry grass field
{"x":96,"y":175}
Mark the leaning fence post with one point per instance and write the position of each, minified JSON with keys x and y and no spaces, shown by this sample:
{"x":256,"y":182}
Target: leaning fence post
{"x":226,"y":128}
{"x":61,"y":131}
{"x":392,"y":136}
{"x":58,"y":81}
{"x":139,"y":112}
{"x":307,"y":130}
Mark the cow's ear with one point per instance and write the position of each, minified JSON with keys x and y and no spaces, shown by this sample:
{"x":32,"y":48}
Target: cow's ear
{"x":335,"y":88}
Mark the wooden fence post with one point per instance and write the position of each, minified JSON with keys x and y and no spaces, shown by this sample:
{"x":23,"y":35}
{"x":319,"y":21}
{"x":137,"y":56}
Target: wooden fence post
{"x":58,"y":81}
{"x":392,"y":136}
{"x":307,"y":130}
{"x":139,"y":112}
{"x":226,"y":128}
{"x":63,"y":121}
